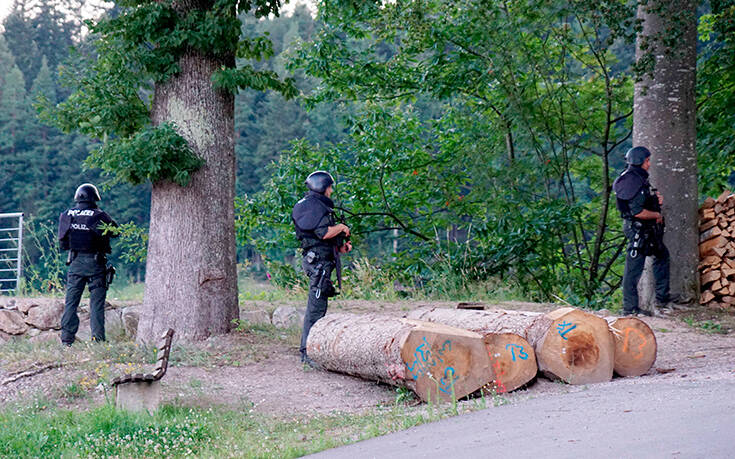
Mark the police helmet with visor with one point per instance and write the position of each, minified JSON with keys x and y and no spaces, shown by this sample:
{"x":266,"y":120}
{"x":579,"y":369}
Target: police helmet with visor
{"x":319,"y":181}
{"x":637,"y":156}
{"x":87,"y":192}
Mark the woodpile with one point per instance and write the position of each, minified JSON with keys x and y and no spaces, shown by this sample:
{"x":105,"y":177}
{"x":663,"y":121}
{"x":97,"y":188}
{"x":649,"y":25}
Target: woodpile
{"x":447,"y":354}
{"x":717,"y":251}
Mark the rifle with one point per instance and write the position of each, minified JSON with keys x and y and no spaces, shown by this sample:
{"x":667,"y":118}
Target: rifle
{"x":343,"y":239}
{"x":657,"y":229}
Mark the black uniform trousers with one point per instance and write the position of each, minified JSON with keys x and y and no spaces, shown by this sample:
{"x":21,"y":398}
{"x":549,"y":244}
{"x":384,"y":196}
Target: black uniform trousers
{"x":634,"y":269}
{"x":85,"y":269}
{"x":319,"y":272}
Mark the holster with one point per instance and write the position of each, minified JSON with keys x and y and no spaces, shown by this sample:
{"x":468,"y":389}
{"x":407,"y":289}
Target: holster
{"x":109,"y":274}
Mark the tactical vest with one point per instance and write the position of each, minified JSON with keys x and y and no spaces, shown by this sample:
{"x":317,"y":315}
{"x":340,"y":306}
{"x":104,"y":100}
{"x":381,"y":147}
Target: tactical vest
{"x":79,"y":231}
{"x":306,"y":216}
{"x":631,"y":182}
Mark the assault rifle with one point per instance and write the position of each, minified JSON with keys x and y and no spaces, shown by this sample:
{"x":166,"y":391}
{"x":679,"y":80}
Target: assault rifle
{"x":657,"y":229}
{"x":343,"y":239}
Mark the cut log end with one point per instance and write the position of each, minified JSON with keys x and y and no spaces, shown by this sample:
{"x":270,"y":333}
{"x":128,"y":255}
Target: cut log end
{"x":577,"y":348}
{"x":513,"y":360}
{"x":445,"y":362}
{"x":635,"y":346}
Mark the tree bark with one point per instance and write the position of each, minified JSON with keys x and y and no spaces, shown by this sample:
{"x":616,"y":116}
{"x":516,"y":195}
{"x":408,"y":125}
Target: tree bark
{"x":191,"y":282}
{"x":570,"y":344}
{"x":635,"y":346}
{"x":435,"y":361}
{"x":665,"y":123}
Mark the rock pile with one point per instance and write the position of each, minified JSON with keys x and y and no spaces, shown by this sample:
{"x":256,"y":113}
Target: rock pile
{"x":40,"y":318}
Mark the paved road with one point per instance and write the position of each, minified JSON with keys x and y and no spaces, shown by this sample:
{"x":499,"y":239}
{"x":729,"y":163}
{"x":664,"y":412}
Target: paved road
{"x":687,"y":419}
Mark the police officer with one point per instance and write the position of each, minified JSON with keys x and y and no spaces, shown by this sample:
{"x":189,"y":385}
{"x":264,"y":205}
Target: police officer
{"x":80,"y":232}
{"x":640,"y":206}
{"x":322,"y":242}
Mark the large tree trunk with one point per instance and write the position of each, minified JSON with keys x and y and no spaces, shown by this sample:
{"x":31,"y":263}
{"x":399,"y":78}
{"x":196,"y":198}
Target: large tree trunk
{"x":190,"y":273}
{"x":664,"y":122}
{"x":570,"y":344}
{"x":435,"y":361}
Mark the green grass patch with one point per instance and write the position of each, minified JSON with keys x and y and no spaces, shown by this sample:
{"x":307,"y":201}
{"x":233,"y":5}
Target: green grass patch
{"x":126,"y":291}
{"x":708,"y":326}
{"x":177,"y":431}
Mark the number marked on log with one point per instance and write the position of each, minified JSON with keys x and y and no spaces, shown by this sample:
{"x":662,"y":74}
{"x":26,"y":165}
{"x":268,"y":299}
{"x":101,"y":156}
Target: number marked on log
{"x":521,"y":353}
{"x":564,"y":328}
{"x":448,"y":380}
{"x":641,"y":342}
{"x":422,"y":355}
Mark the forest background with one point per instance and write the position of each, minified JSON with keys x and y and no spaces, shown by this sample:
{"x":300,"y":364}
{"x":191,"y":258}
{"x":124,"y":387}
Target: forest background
{"x":484,"y":172}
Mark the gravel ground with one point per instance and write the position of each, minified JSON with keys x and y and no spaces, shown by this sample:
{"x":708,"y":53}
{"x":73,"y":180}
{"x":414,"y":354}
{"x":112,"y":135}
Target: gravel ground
{"x":265,"y":375}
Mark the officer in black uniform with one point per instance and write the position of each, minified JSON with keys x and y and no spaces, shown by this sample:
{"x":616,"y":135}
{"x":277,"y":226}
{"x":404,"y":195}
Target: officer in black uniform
{"x":322,"y":242}
{"x":80,"y":233}
{"x":640,"y":206}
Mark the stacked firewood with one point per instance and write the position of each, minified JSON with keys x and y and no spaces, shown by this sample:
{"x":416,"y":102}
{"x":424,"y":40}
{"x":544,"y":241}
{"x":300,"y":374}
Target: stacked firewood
{"x":717,"y":251}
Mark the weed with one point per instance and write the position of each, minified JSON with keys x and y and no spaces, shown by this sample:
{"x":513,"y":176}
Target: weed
{"x":74,"y":390}
{"x":707,"y":325}
{"x":404,"y":395}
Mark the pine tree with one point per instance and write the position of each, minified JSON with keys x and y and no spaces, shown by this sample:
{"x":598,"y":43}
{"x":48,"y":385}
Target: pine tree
{"x":20,"y":36}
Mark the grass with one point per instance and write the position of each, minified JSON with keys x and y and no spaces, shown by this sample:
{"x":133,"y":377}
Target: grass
{"x":707,"y":325}
{"x":42,"y":430}
{"x":126,"y":291}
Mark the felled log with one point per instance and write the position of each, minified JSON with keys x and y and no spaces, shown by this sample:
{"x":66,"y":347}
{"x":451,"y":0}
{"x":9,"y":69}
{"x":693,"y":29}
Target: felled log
{"x":434,"y":360}
{"x":570,"y":344}
{"x":513,"y":360}
{"x":635,"y":346}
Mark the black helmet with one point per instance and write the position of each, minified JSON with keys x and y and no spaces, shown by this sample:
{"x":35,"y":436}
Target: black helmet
{"x":637,"y":155}
{"x":87,"y":192}
{"x":319,"y":181}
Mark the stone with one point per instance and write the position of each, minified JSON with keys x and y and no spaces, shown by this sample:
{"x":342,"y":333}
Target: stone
{"x":25,"y":304}
{"x":84,"y":333}
{"x":11,"y":322}
{"x":130,"y":318}
{"x":46,"y":315}
{"x":33,"y":332}
{"x":114,"y":325}
{"x":51,"y":336}
{"x":288,"y":317}
{"x":255,"y":317}
{"x":138,"y":396}
{"x":7,"y":303}
{"x":4,"y":337}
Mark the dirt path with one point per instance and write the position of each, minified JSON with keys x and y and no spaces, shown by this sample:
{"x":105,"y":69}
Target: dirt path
{"x":269,"y":378}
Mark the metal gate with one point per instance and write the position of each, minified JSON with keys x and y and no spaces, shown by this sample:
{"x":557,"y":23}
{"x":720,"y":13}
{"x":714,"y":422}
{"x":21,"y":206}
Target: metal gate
{"x":11,"y":251}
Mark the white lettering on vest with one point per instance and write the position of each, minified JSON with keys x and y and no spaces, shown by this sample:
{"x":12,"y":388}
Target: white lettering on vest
{"x":83,"y":213}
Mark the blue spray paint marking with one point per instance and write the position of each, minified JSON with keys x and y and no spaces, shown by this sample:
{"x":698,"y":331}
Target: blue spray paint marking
{"x":448,"y":380}
{"x":424,"y":359}
{"x":521,"y":353}
{"x":565,"y":327}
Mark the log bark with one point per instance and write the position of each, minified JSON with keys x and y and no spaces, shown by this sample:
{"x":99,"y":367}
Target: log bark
{"x":665,"y":122}
{"x":569,"y":344}
{"x":191,"y":283}
{"x":435,"y":361}
{"x":635,"y":346}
